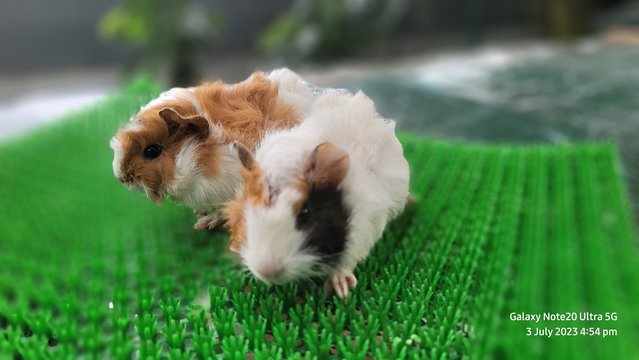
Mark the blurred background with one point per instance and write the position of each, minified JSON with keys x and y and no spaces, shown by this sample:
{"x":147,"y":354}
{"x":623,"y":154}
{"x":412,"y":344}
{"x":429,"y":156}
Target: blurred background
{"x":506,"y":71}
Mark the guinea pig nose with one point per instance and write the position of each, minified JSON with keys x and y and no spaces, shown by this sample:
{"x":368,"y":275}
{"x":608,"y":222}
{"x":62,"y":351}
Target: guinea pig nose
{"x":271,"y":272}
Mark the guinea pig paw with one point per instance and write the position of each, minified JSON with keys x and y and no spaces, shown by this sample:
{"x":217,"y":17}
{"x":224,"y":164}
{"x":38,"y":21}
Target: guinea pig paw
{"x":199,"y":213}
{"x":342,"y":281}
{"x":209,"y":221}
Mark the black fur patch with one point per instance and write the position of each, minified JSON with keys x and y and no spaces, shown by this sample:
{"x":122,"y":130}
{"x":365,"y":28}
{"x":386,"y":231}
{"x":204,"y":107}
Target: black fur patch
{"x":324,"y":219}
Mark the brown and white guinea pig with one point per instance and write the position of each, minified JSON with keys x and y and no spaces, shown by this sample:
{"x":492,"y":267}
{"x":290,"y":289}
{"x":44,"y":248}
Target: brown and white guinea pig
{"x":177,"y":144}
{"x":317,"y":197}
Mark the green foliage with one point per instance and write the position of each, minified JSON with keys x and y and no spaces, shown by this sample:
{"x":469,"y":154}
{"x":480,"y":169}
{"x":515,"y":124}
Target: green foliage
{"x":168,"y":32}
{"x":326,"y":29}
{"x":120,"y":24}
{"x":284,"y":30}
{"x":90,"y":270}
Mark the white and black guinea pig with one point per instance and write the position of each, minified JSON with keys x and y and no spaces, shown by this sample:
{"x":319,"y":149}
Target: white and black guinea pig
{"x":317,"y":197}
{"x":177,"y":145}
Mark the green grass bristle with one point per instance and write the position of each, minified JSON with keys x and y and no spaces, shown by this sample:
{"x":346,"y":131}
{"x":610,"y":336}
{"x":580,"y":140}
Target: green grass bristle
{"x":91,"y":270}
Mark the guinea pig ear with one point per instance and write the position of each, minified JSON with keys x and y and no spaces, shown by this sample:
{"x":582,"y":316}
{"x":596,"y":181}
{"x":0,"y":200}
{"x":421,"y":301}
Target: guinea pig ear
{"x":246,"y":157}
{"x":326,"y":164}
{"x":188,"y":125}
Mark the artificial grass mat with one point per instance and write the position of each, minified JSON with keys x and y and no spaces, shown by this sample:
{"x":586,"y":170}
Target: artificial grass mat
{"x":91,"y":270}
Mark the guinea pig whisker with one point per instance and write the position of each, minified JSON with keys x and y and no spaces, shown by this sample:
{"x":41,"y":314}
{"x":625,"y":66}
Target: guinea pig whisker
{"x":147,"y":191}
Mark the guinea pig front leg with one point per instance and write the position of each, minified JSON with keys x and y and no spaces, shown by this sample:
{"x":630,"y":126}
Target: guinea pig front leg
{"x":208,"y":220}
{"x":341,"y":281}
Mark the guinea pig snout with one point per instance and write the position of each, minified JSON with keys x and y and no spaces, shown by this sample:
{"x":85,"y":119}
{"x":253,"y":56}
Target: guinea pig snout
{"x":270,"y":273}
{"x":125,"y":179}
{"x":130,"y":182}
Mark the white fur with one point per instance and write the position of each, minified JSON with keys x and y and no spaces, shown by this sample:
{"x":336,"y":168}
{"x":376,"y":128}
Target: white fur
{"x":116,"y":146}
{"x":193,"y":189}
{"x":190,"y":187}
{"x":271,"y":242}
{"x":375,"y":187}
{"x":177,"y":94}
{"x":293,"y":90}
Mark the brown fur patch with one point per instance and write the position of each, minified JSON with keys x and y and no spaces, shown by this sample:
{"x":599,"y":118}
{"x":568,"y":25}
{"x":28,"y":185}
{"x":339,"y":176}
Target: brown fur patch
{"x":234,"y":213}
{"x":208,"y":158}
{"x":247,"y":110}
{"x":254,"y":187}
{"x":244,"y":112}
{"x":253,"y":192}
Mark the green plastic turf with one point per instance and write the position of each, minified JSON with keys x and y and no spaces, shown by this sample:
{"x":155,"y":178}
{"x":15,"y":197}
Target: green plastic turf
{"x":88,"y":269}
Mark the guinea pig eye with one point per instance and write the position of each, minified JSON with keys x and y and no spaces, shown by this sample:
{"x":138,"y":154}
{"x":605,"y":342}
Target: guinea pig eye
{"x":152,"y":151}
{"x":304,"y":214}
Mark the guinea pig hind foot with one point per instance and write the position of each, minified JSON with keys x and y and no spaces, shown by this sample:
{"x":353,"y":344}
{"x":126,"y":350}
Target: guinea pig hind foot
{"x":209,"y":220}
{"x":341,"y":282}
